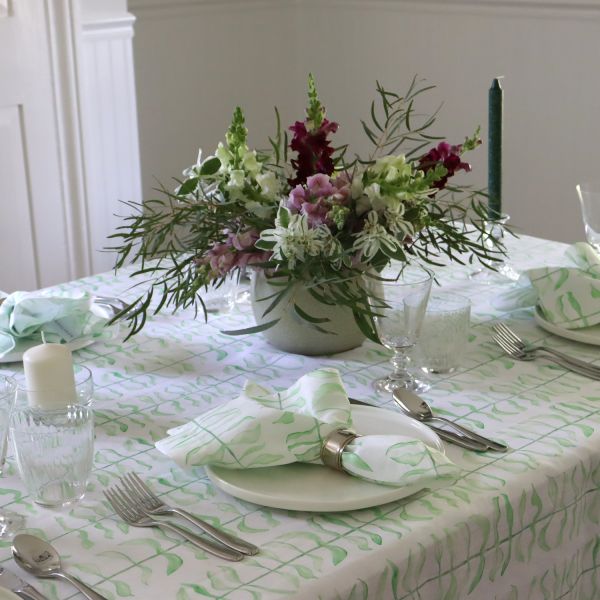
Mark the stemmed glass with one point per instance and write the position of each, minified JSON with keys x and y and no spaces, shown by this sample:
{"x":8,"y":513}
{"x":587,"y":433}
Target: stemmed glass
{"x":399,"y":305}
{"x":503,"y":270}
{"x":10,"y":522}
{"x":589,"y":196}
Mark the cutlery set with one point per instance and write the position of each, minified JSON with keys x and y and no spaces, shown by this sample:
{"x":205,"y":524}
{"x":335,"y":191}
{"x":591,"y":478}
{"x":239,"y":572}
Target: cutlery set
{"x":137,"y":505}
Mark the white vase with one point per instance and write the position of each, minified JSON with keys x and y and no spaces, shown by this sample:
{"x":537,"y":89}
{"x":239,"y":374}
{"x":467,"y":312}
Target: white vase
{"x":294,"y":334}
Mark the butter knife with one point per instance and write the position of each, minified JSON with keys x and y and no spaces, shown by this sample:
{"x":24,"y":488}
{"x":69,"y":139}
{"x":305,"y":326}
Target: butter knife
{"x":19,"y":586}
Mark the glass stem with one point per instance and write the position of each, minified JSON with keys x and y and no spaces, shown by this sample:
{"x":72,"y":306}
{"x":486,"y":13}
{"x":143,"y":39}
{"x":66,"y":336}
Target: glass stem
{"x":400,"y":362}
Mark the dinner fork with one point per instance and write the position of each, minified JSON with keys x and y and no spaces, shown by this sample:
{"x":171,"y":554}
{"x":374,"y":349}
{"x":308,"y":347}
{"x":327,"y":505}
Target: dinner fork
{"x":132,"y":515}
{"x":518,"y":354}
{"x":151,"y":504}
{"x":506,"y":332}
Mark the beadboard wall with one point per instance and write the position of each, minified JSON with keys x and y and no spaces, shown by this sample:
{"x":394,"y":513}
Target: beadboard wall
{"x":196,"y":59}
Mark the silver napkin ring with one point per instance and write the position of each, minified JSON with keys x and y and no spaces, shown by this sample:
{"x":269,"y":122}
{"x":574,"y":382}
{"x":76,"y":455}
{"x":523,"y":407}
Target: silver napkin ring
{"x":333,"y":446}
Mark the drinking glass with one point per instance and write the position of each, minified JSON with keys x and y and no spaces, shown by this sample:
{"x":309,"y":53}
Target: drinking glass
{"x":54,"y":449}
{"x":10,"y":522}
{"x":444,"y":334}
{"x":399,"y":305}
{"x":589,"y":197}
{"x":504,"y":271}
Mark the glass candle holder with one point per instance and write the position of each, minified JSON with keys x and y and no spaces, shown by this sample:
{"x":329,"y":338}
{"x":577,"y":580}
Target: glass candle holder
{"x":504,"y":271}
{"x":10,"y":522}
{"x":54,"y":445}
{"x":84,"y":386}
{"x":444,"y":333}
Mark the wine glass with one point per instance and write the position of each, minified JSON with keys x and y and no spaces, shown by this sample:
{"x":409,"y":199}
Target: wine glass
{"x":10,"y":522}
{"x":399,"y":305}
{"x":589,"y":197}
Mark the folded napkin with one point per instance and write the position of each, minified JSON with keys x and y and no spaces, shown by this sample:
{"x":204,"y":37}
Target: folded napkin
{"x":262,"y":428}
{"x":570,"y":296}
{"x":60,"y":316}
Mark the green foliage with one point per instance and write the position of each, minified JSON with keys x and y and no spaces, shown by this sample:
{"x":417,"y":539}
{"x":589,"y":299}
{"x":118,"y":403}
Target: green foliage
{"x":169,"y":238}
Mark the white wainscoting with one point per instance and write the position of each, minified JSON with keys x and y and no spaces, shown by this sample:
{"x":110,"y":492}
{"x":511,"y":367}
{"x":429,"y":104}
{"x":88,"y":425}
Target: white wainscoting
{"x":109,"y":121}
{"x":68,"y":137}
{"x":197,"y":59}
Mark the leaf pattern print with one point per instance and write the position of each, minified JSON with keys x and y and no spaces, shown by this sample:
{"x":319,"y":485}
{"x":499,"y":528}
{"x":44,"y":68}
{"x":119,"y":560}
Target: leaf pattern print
{"x":520,"y":526}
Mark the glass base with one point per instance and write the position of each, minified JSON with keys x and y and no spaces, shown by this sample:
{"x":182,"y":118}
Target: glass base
{"x":390,"y":384}
{"x":10,"y":524}
{"x":505,"y":273}
{"x":438,"y":371}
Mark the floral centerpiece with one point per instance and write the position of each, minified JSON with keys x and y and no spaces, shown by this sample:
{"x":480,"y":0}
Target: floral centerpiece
{"x":313,"y":223}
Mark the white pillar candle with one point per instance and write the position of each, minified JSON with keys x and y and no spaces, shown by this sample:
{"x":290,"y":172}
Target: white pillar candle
{"x":49,"y":376}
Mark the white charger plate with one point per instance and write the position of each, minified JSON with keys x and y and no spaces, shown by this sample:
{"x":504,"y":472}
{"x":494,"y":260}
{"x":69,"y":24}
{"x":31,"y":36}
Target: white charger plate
{"x":102,"y":309}
{"x":586,"y":335}
{"x":321,"y":489}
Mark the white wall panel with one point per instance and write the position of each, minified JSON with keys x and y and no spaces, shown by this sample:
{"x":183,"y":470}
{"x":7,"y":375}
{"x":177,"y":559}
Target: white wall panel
{"x":195,"y":59}
{"x":109,"y":122}
{"x":19,"y":267}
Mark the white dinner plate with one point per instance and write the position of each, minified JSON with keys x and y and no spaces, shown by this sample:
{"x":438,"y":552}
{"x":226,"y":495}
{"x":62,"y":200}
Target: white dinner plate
{"x":587,"y":335}
{"x":16,"y":355}
{"x":321,"y":489}
{"x":7,"y":594}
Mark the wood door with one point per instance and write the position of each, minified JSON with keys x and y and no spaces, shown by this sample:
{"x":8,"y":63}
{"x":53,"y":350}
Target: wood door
{"x":33,"y":227}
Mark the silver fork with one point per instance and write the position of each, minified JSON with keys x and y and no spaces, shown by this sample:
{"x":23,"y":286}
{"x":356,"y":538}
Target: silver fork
{"x":151,"y":504}
{"x":518,"y":354}
{"x":130,"y":513}
{"x":505,"y":331}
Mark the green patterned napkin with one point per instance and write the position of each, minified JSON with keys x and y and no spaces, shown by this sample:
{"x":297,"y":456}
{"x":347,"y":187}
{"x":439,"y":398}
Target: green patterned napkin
{"x":570,"y":296}
{"x":61,"y":316}
{"x":262,"y":428}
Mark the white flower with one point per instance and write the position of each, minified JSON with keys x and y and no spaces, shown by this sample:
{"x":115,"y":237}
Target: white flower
{"x":391,"y":167}
{"x":373,"y":191}
{"x":237,"y":178}
{"x":395,"y":223}
{"x":373,"y":238}
{"x":252,"y":166}
{"x":269,"y":184}
{"x":293,"y":241}
{"x":224,"y":156}
{"x":194,"y":169}
{"x":263,"y":211}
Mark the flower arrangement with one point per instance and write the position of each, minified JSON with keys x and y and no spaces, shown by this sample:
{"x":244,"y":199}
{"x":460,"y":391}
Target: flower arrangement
{"x":317,"y":218}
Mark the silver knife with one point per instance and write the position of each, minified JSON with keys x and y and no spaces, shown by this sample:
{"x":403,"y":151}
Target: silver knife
{"x":448,"y":436}
{"x":19,"y":586}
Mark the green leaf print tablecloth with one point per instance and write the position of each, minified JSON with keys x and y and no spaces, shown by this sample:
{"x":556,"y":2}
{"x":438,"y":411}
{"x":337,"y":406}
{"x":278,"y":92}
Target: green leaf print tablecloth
{"x":519,"y":526}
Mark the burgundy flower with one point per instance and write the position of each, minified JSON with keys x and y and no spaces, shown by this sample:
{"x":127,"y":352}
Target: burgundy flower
{"x":314,"y":150}
{"x":447,"y":155}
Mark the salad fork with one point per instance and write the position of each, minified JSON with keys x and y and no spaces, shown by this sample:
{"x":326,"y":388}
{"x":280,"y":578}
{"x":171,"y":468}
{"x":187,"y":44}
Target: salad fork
{"x":131,"y":514}
{"x":506,"y":332}
{"x":515,"y":352}
{"x":149,"y":503}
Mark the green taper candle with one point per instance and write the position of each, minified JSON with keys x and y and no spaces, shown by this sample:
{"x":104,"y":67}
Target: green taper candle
{"x":495,"y":108}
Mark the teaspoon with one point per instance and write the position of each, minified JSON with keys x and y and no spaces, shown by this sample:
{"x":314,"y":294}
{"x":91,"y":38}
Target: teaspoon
{"x":41,"y":559}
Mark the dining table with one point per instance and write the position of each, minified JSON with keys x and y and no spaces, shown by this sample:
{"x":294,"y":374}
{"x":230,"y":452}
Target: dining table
{"x":520,"y":525}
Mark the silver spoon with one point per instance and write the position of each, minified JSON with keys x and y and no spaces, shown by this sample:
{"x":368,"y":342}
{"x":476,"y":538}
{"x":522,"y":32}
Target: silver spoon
{"x":40,"y":559}
{"x":417,"y":408}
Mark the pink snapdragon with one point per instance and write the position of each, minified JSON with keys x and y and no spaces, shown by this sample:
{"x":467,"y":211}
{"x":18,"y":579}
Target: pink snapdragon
{"x":236,"y":252}
{"x":318,"y":196}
